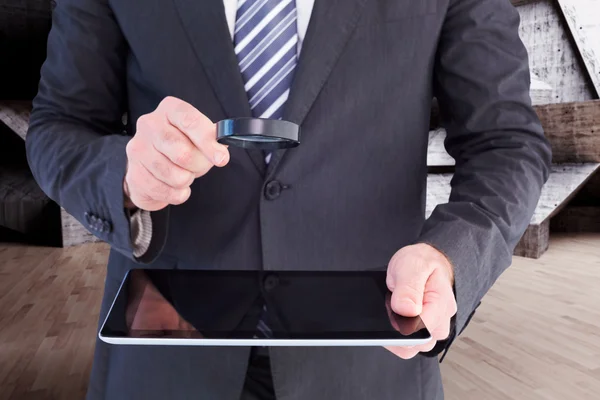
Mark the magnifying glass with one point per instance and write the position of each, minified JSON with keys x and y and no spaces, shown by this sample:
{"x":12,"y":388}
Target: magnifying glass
{"x":258,"y":133}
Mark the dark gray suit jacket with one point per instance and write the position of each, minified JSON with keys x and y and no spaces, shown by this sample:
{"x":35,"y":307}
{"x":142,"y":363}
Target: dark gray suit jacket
{"x":351,"y":195}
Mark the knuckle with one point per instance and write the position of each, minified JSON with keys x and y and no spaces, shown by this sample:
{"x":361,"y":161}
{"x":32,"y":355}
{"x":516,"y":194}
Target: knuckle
{"x":132,"y":148}
{"x":436,"y":297}
{"x":186,"y":179}
{"x":139,"y":197}
{"x":168,"y":102}
{"x":441,"y":333}
{"x":203,"y":169}
{"x":179,"y":196}
{"x":184,"y":158}
{"x":191,"y":179}
{"x":181,"y":179}
{"x":409,"y":291}
{"x":143,"y":123}
{"x":133,"y":177}
{"x":160,"y":191}
{"x":161,"y":169}
{"x":169,"y":136}
{"x":190,"y":120}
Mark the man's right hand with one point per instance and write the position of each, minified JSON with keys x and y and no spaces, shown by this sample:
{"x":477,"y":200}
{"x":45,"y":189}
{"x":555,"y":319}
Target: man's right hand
{"x":173,"y":145}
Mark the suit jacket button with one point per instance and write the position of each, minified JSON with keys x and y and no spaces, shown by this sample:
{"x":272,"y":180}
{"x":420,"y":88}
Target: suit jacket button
{"x":107,"y":226}
{"x":273,"y":190}
{"x":271,"y":282}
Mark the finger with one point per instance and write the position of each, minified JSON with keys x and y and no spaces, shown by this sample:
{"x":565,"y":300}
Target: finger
{"x":405,"y":353}
{"x":409,"y":285}
{"x":427,"y":347}
{"x":135,"y":177}
{"x":405,"y":325}
{"x":166,"y":171}
{"x":198,"y":128}
{"x":148,"y":190}
{"x":437,"y":302}
{"x":182,"y":152}
{"x":167,"y":140}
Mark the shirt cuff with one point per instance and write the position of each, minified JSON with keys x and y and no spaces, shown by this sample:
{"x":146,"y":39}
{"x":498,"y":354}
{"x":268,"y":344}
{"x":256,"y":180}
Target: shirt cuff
{"x":141,"y":231}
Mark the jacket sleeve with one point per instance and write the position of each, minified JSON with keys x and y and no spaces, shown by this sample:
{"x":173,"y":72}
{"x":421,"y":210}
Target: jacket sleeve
{"x":76,"y":140}
{"x":502,"y":158}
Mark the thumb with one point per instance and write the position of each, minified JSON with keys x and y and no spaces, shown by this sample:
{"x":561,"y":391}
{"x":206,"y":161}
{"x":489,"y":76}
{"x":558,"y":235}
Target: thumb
{"x":408,"y":289}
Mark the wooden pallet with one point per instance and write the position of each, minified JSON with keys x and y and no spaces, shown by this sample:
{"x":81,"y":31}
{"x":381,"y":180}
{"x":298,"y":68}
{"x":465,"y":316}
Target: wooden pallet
{"x":15,"y":115}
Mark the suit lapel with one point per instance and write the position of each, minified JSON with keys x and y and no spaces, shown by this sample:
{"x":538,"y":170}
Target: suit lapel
{"x":332,"y":22}
{"x":206,"y":26}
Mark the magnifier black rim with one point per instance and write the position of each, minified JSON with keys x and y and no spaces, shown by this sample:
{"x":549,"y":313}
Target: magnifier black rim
{"x":241,"y":131}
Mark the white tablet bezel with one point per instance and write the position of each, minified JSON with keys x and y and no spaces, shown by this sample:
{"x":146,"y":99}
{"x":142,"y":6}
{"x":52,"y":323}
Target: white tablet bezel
{"x":249,"y":342}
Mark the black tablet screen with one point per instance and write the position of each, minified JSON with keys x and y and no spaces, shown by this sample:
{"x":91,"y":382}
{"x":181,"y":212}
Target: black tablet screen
{"x":250,"y":304}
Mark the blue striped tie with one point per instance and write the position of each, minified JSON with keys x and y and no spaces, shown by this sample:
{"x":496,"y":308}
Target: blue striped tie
{"x":266,"y":40}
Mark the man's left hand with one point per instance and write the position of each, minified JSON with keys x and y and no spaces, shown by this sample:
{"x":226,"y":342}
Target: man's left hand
{"x":421,"y":280}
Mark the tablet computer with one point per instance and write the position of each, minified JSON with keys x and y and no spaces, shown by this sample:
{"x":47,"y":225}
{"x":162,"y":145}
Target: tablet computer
{"x":257,"y":308}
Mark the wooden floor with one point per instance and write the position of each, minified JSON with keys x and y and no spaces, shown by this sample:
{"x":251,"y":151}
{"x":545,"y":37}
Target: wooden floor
{"x":537,"y":335}
{"x":49,"y":304}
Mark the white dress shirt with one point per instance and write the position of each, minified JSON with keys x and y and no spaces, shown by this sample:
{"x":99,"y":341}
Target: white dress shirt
{"x":141,"y":223}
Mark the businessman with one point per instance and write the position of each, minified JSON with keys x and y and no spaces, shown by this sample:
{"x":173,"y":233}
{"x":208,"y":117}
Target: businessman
{"x":359,"y":77}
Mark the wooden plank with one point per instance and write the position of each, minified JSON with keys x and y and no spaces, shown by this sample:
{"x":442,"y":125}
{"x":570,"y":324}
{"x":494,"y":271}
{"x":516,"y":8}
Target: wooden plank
{"x":535,"y":241}
{"x":552,"y":55}
{"x":564,"y":181}
{"x":573,"y":130}
{"x":15,"y":115}
{"x":583,"y":19}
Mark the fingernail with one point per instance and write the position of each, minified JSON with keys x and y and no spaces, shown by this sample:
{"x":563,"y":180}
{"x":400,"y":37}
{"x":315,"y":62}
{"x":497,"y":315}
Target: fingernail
{"x":219,"y":157}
